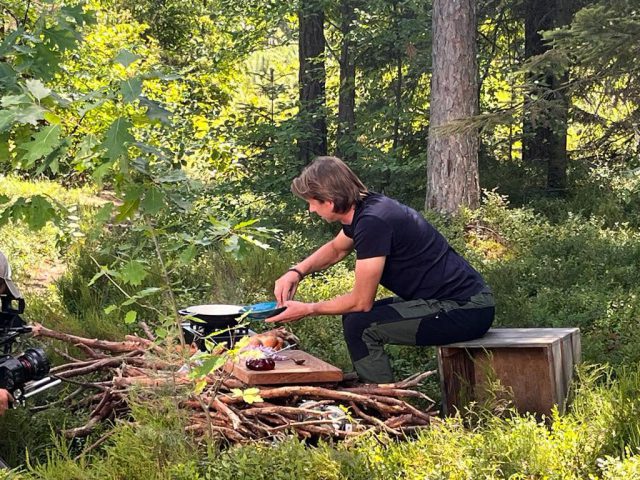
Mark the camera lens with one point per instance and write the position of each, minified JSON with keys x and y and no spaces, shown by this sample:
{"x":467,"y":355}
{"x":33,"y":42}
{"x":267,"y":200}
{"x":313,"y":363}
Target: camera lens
{"x":16,"y":371}
{"x":35,"y":363}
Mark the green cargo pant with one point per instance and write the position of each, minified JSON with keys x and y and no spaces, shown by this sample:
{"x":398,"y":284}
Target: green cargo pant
{"x":412,"y":322}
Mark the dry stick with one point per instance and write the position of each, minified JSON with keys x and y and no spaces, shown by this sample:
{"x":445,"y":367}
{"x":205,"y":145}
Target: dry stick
{"x":101,"y":412}
{"x":228,"y":433}
{"x":406,"y":406}
{"x":414,"y":380}
{"x":117,"y":347}
{"x":390,"y":392}
{"x":131,"y":371}
{"x":304,"y":423}
{"x":98,"y":385}
{"x":275,"y":419}
{"x":72,"y":395}
{"x":90,"y":351}
{"x":318,"y":392}
{"x":329,"y":432}
{"x":74,"y":365}
{"x":396,"y":422}
{"x":246,"y":424}
{"x":97,"y":365}
{"x":147,"y":331}
{"x":373,"y":420}
{"x":66,"y":356}
{"x":143,"y":341}
{"x":292,"y":411}
{"x":221,"y":407}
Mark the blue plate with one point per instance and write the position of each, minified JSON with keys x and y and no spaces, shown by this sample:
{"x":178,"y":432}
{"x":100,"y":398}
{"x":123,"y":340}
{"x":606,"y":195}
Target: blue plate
{"x":260,"y":311}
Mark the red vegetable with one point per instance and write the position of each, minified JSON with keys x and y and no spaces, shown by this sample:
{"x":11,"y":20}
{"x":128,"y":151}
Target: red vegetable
{"x":261,"y":364}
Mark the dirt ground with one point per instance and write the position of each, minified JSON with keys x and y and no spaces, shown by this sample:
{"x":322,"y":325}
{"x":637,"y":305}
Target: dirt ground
{"x":43,"y":275}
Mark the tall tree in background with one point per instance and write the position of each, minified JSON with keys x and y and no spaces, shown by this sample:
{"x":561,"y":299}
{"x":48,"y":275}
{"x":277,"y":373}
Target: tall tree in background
{"x":544,"y":127}
{"x":312,"y":78}
{"x":347,"y":93}
{"x":452,"y":157}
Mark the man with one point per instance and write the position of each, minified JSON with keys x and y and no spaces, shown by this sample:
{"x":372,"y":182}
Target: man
{"x":441,"y":298}
{"x":7,"y":287}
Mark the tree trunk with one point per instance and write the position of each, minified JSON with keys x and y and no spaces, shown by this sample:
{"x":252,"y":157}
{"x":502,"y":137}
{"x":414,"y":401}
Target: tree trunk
{"x":544,"y":129}
{"x":452,"y":166}
{"x":347,"y":95}
{"x":397,"y":87}
{"x":313,"y":138}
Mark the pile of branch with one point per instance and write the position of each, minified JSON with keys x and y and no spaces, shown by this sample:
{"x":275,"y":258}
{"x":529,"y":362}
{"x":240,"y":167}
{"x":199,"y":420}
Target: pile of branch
{"x":112,"y":369}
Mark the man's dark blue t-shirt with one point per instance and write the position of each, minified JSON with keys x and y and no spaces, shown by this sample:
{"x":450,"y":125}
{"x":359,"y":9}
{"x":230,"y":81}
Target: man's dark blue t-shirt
{"x":420,"y":263}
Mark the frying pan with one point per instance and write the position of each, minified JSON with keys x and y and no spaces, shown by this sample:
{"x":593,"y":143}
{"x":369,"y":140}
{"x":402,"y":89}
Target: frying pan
{"x":213,"y":315}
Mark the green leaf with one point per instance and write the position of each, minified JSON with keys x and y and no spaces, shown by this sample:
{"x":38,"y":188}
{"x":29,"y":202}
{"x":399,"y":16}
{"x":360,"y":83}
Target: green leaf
{"x":128,"y":209}
{"x":40,"y":212}
{"x":148,"y":291}
{"x":250,"y":395}
{"x":155,"y":111}
{"x":37,"y":89}
{"x":31,"y":114}
{"x":244,"y":224}
{"x":131,"y":89}
{"x":4,"y":148}
{"x":153,"y":201}
{"x":200,"y":386}
{"x":63,"y":38}
{"x":103,"y":271}
{"x":117,"y":138}
{"x":133,"y":273}
{"x":10,"y":40}
{"x":126,"y":58}
{"x":104,"y":214}
{"x":13,"y":100}
{"x":99,"y":173}
{"x":130,"y":317}
{"x":187,"y":255}
{"x":110,"y":309}
{"x":209,"y":365}
{"x":78,"y":14}
{"x":6,"y":119}
{"x":43,"y":143}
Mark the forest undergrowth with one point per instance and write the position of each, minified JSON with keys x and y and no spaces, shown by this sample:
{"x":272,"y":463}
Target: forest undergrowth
{"x":550,"y":265}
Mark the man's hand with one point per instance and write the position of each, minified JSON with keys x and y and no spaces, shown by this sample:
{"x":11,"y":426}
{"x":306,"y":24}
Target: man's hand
{"x":294,"y":312}
{"x":286,"y":286}
{"x":5,"y":400}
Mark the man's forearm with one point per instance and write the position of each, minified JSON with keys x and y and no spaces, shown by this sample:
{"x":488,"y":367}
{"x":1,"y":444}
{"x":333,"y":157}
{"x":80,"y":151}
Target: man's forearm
{"x":347,"y":303}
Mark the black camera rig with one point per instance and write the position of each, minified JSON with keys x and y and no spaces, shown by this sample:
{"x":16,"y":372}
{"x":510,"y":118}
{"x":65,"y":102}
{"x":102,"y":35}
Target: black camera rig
{"x":22,"y":375}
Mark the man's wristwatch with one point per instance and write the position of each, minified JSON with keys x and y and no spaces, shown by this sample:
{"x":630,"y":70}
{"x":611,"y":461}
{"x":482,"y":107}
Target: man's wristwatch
{"x":300,"y":274}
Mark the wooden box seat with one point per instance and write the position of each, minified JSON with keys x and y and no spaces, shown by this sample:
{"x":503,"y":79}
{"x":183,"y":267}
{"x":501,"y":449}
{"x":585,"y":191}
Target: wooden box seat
{"x":536,"y":364}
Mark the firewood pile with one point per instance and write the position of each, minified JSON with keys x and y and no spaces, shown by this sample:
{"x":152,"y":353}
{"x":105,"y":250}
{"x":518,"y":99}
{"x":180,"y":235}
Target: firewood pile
{"x":111,"y":370}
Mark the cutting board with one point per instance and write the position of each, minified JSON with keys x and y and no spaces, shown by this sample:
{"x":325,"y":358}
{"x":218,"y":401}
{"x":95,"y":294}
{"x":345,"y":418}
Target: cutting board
{"x":313,"y":370}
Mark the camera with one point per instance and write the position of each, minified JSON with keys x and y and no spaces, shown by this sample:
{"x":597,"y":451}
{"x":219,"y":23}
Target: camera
{"x":22,"y":375}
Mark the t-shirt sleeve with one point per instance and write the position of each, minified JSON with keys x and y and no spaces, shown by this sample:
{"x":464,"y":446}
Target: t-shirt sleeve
{"x":372,"y":238}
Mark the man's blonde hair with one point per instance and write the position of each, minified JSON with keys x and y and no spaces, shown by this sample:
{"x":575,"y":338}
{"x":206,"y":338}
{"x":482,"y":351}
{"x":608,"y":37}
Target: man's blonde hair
{"x":329,"y":179}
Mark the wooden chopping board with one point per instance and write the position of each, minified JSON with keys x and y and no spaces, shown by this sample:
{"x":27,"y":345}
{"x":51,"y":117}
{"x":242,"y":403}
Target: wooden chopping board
{"x":313,"y":370}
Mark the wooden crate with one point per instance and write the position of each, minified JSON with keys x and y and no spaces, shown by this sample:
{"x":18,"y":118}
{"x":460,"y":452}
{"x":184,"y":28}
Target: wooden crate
{"x":535,"y":363}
